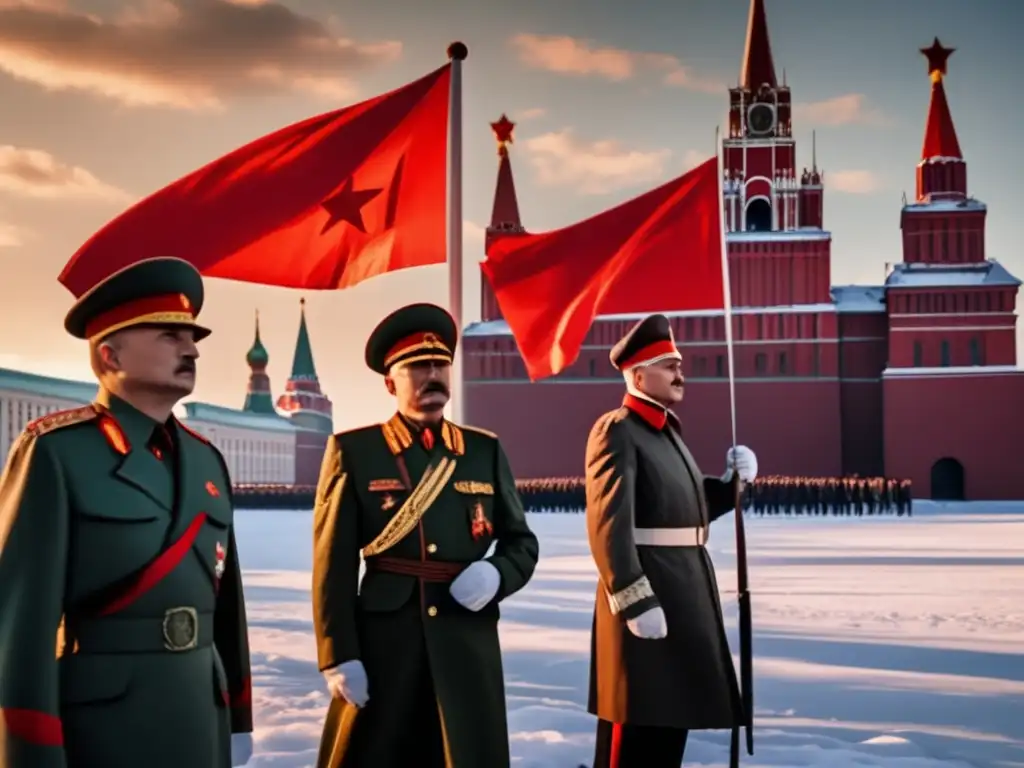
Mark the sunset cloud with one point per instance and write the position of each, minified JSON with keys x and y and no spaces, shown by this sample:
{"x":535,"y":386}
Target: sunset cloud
{"x":561,"y":159}
{"x":531,"y":114}
{"x":583,"y":58}
{"x":35,"y":173}
{"x":853,"y":182}
{"x":185,"y":54}
{"x":851,"y":109}
{"x":10,"y":236}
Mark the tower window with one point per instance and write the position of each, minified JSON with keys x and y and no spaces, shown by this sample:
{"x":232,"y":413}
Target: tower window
{"x":918,"y":355}
{"x":759,"y":215}
{"x":975,"y":352}
{"x":592,"y":365}
{"x":760,"y":363}
{"x":720,"y":366}
{"x":944,"y":354}
{"x":783,"y":364}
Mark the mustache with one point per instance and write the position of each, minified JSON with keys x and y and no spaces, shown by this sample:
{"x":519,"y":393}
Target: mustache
{"x":186,"y":366}
{"x":435,"y":386}
{"x":677,"y":382}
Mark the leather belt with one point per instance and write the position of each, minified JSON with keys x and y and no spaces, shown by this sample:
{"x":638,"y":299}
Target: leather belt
{"x":671,"y":537}
{"x":179,"y":629}
{"x":428,"y":570}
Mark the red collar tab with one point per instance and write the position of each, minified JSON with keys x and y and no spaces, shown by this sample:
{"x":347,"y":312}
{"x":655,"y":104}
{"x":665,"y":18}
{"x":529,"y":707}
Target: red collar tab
{"x":653,"y":414}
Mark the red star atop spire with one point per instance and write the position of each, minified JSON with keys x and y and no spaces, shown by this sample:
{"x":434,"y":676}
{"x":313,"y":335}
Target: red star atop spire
{"x":503,"y":130}
{"x":937,"y":57}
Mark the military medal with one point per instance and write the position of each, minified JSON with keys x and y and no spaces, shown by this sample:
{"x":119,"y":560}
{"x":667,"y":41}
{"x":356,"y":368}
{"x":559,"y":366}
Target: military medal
{"x":218,"y":565}
{"x":388,"y":502}
{"x":481,"y":525}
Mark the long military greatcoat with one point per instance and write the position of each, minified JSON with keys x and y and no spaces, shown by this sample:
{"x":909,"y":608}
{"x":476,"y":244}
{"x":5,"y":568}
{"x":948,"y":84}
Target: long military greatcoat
{"x":639,"y":474}
{"x":119,"y":554}
{"x":388,"y":619}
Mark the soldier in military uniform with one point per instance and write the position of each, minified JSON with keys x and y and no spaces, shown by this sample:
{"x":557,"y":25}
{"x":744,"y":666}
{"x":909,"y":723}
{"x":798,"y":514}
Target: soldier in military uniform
{"x":660,"y":660}
{"x":117,"y":547}
{"x":411,"y":655}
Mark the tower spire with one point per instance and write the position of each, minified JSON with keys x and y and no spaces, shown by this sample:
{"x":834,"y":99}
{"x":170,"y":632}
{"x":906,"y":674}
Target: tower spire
{"x":758,"y":64}
{"x":939,"y":134}
{"x":505,"y":211}
{"x":942,"y":172}
{"x":258,"y":397}
{"x":302,"y":363}
{"x":505,"y":219}
{"x":306,"y":405}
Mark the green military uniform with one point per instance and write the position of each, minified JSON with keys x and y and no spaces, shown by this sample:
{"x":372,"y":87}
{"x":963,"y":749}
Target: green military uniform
{"x":436,"y":688}
{"x":122,"y":625}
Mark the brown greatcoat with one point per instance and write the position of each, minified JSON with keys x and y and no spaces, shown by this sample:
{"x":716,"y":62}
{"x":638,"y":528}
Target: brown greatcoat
{"x":639,"y":474}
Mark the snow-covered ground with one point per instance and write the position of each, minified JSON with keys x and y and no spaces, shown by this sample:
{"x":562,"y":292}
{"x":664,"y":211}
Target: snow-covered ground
{"x":894,"y":642}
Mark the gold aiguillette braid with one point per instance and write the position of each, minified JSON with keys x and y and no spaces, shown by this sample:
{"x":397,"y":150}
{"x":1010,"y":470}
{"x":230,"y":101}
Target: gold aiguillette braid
{"x":412,"y":511}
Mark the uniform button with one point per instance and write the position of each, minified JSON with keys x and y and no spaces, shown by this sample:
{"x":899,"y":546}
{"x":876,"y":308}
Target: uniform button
{"x":431,"y":611}
{"x":432,"y":548}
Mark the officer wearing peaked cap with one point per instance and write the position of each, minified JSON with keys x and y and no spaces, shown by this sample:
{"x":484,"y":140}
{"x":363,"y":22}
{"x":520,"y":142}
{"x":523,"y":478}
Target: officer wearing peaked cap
{"x":411,"y":655}
{"x":118,"y":541}
{"x":660,"y":663}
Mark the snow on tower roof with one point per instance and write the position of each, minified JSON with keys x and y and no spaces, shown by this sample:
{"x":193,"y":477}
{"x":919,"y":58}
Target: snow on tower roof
{"x":859,"y":298}
{"x":985,"y":274}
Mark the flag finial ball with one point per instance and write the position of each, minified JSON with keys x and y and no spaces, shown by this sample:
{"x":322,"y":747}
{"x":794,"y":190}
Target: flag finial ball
{"x":458,"y":51}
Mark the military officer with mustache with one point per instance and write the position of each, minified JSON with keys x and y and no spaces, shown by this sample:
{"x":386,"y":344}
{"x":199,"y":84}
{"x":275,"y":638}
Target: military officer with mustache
{"x":123,"y":637}
{"x":410,"y":655}
{"x":660,"y":661}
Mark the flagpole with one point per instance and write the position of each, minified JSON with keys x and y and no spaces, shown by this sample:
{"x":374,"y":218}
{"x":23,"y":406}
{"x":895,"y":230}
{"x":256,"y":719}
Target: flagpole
{"x":726,"y":283}
{"x":457,"y":53}
{"x":742,"y":587}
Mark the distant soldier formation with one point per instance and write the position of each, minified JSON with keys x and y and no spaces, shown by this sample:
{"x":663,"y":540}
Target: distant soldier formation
{"x":769,"y":495}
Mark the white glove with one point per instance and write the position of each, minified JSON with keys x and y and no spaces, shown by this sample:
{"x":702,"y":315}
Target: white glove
{"x":476,"y":586}
{"x":241,"y":748}
{"x":742,"y":460}
{"x":649,"y":625}
{"x":348,"y":681}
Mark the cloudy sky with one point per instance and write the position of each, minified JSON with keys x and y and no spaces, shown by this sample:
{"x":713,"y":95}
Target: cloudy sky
{"x":105,"y":101}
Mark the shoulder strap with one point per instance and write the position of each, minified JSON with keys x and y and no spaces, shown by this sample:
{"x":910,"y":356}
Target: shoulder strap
{"x":422,"y":497}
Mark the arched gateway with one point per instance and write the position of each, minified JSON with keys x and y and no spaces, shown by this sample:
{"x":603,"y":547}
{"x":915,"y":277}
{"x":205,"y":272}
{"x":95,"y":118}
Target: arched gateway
{"x":947,"y":480}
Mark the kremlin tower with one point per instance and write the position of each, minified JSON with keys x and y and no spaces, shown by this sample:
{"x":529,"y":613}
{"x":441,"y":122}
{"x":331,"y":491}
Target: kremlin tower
{"x":258,"y":398}
{"x":302,"y":399}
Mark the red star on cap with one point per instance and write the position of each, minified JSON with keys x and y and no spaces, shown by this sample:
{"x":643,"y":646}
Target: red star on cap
{"x":937,"y":57}
{"x":503,"y":130}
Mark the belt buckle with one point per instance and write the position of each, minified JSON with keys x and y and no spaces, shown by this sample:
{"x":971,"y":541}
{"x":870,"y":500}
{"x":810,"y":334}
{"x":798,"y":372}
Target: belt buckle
{"x":181,"y":629}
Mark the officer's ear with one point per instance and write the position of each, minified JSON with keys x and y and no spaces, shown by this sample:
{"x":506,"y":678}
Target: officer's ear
{"x":105,"y":356}
{"x":389,"y":383}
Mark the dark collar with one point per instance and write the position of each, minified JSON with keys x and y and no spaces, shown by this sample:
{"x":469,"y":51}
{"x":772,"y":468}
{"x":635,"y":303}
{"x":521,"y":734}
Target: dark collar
{"x":136,"y":426}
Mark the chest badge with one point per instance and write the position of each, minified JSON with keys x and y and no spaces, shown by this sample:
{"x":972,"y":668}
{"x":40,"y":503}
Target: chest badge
{"x":219,"y":556}
{"x":212,"y":489}
{"x":388,"y":502}
{"x":480,"y":525}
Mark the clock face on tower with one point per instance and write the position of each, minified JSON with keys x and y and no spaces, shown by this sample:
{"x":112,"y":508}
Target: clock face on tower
{"x":761,"y":119}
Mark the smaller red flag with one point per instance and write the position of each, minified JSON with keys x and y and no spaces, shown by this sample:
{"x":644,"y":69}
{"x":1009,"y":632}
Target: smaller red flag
{"x":659,"y":252}
{"x":323,"y":204}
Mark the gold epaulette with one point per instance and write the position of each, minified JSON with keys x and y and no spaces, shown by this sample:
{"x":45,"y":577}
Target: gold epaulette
{"x":54,"y":421}
{"x":396,"y":434}
{"x":197,"y":435}
{"x":453,"y":438}
{"x":481,"y":431}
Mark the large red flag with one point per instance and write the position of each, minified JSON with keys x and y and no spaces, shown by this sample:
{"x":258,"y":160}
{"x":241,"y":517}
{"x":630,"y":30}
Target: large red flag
{"x":656,"y":253}
{"x":324,"y":203}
